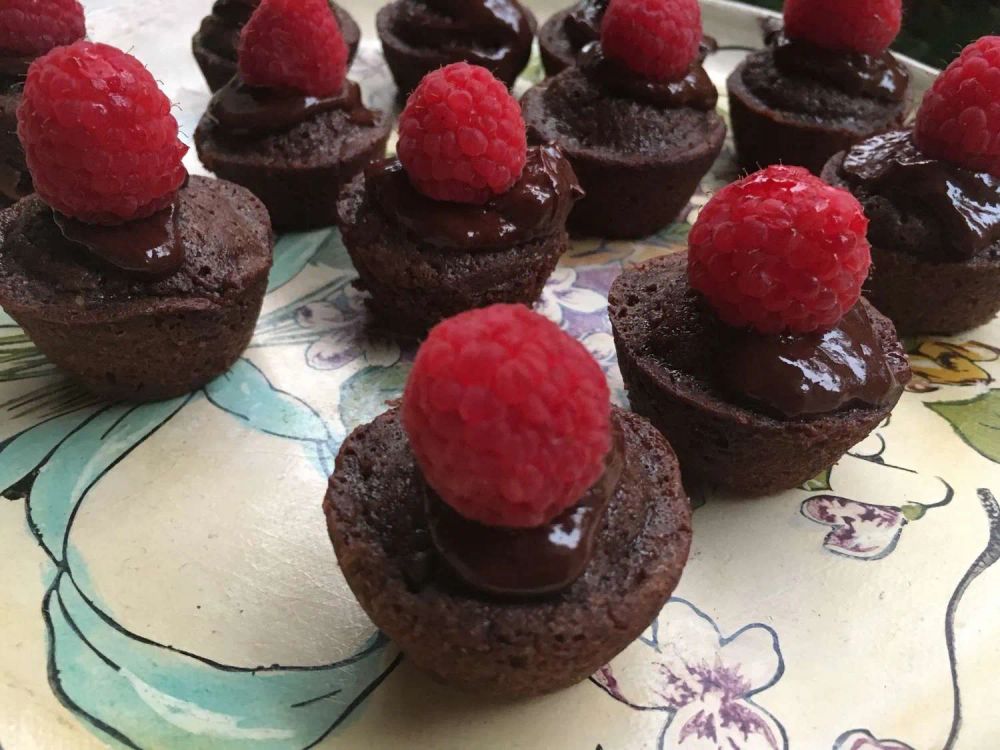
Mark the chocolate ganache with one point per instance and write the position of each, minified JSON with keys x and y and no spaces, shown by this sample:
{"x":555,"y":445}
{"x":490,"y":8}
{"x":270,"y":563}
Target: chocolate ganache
{"x":967,"y":203}
{"x":855,"y":73}
{"x":535,"y":206}
{"x":525,"y":562}
{"x":583,"y":24}
{"x":220,"y":32}
{"x":815,"y":373}
{"x":243,"y":110}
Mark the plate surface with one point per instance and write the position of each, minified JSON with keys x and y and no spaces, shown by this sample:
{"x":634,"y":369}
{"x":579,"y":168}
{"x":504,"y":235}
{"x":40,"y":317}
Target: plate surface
{"x":167,"y":581}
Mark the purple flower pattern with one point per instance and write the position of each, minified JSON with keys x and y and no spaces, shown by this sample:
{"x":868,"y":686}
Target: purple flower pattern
{"x":860,"y":530}
{"x":862,"y":739}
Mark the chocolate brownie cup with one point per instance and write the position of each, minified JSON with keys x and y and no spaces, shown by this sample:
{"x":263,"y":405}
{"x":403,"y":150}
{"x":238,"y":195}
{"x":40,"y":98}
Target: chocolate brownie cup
{"x":438,"y":532}
{"x":146,"y":326}
{"x":639,"y":152}
{"x":294,"y":135}
{"x":216,"y":42}
{"x":797,"y":103}
{"x":419,"y":36}
{"x":679,"y":361}
{"x":15,"y":181}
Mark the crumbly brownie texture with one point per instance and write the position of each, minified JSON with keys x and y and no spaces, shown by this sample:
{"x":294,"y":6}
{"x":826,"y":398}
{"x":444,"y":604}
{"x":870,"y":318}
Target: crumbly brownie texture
{"x":639,"y":164}
{"x":782,"y":119}
{"x":671,"y":350}
{"x":920,"y":293}
{"x":413,"y":285}
{"x":134,"y":339}
{"x":218,"y":65}
{"x":510,"y":648}
{"x":297,"y":173}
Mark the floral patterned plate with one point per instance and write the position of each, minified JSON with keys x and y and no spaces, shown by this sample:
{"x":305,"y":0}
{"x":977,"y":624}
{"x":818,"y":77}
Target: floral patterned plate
{"x":167,"y":581}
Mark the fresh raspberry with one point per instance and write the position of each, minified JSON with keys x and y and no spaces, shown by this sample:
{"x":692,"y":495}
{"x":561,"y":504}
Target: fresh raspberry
{"x":507,"y":415}
{"x":780,"y":250}
{"x":959,"y":119}
{"x":867,"y":26}
{"x":461,"y":136}
{"x":294,"y":44}
{"x":100,"y":141}
{"x":29,"y":28}
{"x":657,"y":39}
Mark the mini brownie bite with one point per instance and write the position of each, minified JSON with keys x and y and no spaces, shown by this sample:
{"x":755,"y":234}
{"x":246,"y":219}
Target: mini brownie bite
{"x":290,"y":127}
{"x":636,"y":118}
{"x":825,"y":81}
{"x":419,"y":36}
{"x":467,"y":216}
{"x":137,"y":281}
{"x":216,"y":43}
{"x":506,"y":527}
{"x":933,"y":198}
{"x":28,"y":29}
{"x":753,"y":353}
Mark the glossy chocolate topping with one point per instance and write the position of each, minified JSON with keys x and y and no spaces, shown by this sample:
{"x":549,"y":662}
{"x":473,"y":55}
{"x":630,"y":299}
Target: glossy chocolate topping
{"x":475,"y":29}
{"x":535,"y":206}
{"x":244,"y":110}
{"x":817,"y":373}
{"x":966,"y":202}
{"x":854,"y":73}
{"x":525,"y":562}
{"x":694,"y":90}
{"x":146,"y":247}
{"x":583,"y":24}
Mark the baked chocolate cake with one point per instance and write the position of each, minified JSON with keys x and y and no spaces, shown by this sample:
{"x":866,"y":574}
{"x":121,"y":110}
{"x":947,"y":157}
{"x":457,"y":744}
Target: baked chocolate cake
{"x":798,"y":103}
{"x":508,"y":606}
{"x":639,"y":145}
{"x":419,"y":36}
{"x":216,"y":42}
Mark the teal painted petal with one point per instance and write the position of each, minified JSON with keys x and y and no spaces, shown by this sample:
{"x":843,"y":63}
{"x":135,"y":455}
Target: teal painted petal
{"x":5,"y":319}
{"x":24,"y":453}
{"x":333,"y":254}
{"x":246,"y":393}
{"x":83,"y":457}
{"x":291,"y":254}
{"x":150,"y":696}
{"x":976,"y":421}
{"x":364,"y":395}
{"x":819,"y":483}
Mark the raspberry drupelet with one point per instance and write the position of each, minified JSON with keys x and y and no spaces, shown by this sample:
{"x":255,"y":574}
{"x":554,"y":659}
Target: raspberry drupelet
{"x":467,"y":215}
{"x":655,"y":38}
{"x":140,"y":283}
{"x":755,"y":354}
{"x":931,"y":195}
{"x":506,"y":489}
{"x":290,"y":126}
{"x":825,"y":82}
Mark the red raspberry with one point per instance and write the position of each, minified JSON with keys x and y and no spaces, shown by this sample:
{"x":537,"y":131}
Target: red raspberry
{"x":295,"y":44}
{"x":461,"y":136}
{"x":29,"y":28}
{"x":780,"y":250}
{"x":959,"y":119}
{"x":656,"y":38}
{"x":100,"y":141}
{"x":508,"y":416}
{"x":867,"y":26}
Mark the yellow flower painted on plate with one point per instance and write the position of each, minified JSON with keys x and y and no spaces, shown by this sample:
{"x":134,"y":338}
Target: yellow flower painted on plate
{"x":937,"y":363}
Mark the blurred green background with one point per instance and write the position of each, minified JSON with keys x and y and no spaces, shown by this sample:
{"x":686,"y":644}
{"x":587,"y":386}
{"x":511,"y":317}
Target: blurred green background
{"x":935,"y":30}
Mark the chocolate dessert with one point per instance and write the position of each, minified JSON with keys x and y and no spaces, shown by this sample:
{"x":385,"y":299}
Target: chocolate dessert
{"x":561,"y":596}
{"x":639,"y":147}
{"x":798,"y":103}
{"x":216,"y":43}
{"x":419,"y":36}
{"x":293,"y":143}
{"x":144,"y":311}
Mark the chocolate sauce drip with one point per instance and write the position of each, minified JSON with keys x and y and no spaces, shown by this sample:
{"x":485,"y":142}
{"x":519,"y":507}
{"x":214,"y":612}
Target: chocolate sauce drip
{"x":815,"y":373}
{"x":535,"y":206}
{"x":583,"y":24}
{"x":480,"y":31}
{"x":526,"y":562}
{"x":854,"y":73}
{"x":150,"y":247}
{"x":966,"y":202}
{"x":243,"y":110}
{"x":694,"y":90}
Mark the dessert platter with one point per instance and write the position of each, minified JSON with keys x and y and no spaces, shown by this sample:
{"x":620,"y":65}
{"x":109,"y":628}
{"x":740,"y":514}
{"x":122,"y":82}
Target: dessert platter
{"x":482,"y":373}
